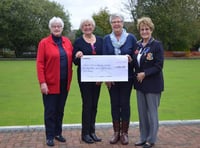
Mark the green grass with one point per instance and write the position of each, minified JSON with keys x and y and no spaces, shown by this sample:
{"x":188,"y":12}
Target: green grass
{"x":21,"y":101}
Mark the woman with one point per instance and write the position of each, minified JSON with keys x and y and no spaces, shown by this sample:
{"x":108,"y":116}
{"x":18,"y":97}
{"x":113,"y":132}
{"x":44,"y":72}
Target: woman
{"x":54,"y":71}
{"x":88,"y":44}
{"x":119,"y":42}
{"x":148,"y":81}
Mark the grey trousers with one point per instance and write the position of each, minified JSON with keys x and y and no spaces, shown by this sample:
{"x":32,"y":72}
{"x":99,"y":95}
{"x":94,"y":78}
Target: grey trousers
{"x":148,"y":104}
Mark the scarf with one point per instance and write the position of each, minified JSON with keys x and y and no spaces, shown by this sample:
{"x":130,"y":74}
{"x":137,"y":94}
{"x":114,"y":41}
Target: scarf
{"x":117,"y":44}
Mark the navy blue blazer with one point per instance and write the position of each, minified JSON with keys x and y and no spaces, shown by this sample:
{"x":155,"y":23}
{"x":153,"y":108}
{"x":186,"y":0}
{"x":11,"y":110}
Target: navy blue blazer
{"x":151,"y":63}
{"x":128,"y":48}
{"x":81,"y":45}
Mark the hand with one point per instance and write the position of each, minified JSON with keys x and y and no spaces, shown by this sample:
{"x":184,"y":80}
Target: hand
{"x":140,"y":76}
{"x":129,"y":58}
{"x":44,"y":88}
{"x":79,"y":54}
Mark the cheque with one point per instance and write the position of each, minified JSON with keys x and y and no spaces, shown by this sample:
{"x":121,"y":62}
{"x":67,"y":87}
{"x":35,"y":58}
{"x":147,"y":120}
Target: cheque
{"x":104,"y":68}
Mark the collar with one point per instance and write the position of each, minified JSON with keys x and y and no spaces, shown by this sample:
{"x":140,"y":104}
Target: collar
{"x":149,"y":42}
{"x":56,"y":39}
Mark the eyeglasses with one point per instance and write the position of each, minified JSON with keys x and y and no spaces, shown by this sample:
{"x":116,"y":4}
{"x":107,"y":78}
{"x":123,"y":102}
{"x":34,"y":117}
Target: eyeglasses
{"x":116,"y":22}
{"x":56,"y":27}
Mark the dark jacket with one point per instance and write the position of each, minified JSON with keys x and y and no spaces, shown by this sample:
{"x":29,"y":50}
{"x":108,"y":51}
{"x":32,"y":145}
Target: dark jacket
{"x":81,"y":45}
{"x":151,"y":63}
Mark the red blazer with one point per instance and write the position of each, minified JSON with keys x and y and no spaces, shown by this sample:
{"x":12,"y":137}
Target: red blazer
{"x":48,"y":63}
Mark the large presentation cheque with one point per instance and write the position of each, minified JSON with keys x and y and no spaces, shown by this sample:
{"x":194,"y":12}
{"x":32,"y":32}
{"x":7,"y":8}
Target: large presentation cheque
{"x":104,"y":68}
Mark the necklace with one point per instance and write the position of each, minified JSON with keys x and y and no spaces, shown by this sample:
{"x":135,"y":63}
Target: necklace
{"x":90,"y":39}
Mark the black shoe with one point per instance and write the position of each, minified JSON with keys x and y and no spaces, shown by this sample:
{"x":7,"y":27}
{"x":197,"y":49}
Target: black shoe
{"x":95,"y":138}
{"x":87,"y":139}
{"x":148,"y":145}
{"x":60,"y":138}
{"x":140,"y":143}
{"x":50,"y":142}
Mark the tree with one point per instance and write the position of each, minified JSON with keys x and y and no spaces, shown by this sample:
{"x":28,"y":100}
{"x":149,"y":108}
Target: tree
{"x":102,"y":21}
{"x":177,"y":23}
{"x":23,"y":23}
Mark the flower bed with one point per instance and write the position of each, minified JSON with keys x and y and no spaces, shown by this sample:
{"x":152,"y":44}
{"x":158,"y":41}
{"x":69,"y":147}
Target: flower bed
{"x":182,"y":54}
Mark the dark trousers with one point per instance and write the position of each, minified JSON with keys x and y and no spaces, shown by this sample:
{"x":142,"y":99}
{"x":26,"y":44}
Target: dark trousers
{"x":120,"y":94}
{"x":90,"y":96}
{"x":54,"y":111}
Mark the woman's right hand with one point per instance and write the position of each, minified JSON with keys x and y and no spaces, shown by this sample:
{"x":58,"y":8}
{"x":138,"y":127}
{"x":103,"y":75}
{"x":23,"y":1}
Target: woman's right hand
{"x":79,"y":54}
{"x":44,"y":88}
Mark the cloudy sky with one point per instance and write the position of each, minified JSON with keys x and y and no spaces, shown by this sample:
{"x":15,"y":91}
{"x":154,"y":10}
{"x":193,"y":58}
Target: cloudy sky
{"x":80,"y":9}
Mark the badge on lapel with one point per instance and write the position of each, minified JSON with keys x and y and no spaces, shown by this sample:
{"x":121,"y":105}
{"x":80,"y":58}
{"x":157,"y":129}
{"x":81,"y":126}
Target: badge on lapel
{"x":149,"y":56}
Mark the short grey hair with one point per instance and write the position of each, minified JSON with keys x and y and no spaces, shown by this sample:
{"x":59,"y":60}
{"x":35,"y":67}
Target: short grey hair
{"x":113,"y":16}
{"x":56,"y":20}
{"x":90,"y":20}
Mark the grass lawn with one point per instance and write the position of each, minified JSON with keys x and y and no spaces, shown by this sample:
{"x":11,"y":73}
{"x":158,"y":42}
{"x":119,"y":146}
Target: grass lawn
{"x":21,"y":101}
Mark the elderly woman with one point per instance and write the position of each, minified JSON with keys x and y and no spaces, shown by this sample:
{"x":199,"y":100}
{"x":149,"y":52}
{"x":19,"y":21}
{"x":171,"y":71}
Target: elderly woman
{"x":88,"y":44}
{"x":54,"y":71}
{"x":148,"y":81}
{"x":119,"y":42}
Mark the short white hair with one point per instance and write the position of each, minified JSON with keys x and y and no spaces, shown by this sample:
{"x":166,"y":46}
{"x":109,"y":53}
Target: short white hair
{"x":115,"y":15}
{"x":90,"y":20}
{"x":56,"y":20}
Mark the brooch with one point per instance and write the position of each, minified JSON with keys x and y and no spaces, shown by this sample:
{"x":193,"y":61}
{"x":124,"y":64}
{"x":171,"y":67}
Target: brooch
{"x":150,"y":56}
